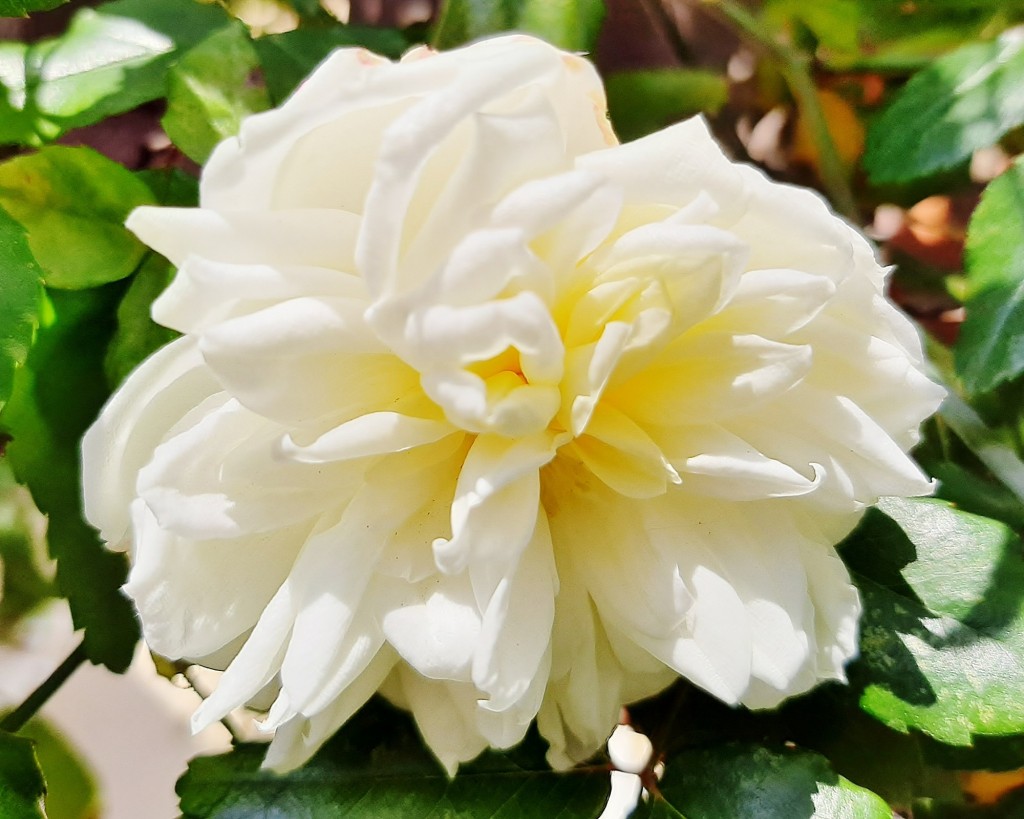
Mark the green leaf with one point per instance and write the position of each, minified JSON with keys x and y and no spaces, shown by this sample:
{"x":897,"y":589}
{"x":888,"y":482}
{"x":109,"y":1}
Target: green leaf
{"x":73,"y":203}
{"x":569,"y":24}
{"x":22,"y":553}
{"x":942,"y":635}
{"x":755,"y":781}
{"x":834,"y":25}
{"x":641,"y":102}
{"x":20,"y":291}
{"x":71,"y":786}
{"x":21,"y":8}
{"x":213,"y":87}
{"x":377,"y":768}
{"x":995,"y":236}
{"x":961,"y":102}
{"x":137,"y":335}
{"x":110,"y":60}
{"x":990,"y":349}
{"x":21,"y":782}
{"x":57,"y":395}
{"x":288,"y":58}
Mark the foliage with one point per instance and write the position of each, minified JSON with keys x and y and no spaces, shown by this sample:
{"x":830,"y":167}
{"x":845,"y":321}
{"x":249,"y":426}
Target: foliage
{"x":938,"y":87}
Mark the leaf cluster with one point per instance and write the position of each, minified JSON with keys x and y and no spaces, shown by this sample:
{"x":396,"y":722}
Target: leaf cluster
{"x":875,"y":103}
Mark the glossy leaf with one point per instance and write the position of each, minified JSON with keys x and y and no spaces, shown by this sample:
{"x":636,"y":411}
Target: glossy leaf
{"x":942,"y":635}
{"x":641,"y":102}
{"x":20,"y":291}
{"x":211,"y":89}
{"x":569,"y":24}
{"x":21,"y":782}
{"x":111,"y":59}
{"x":72,"y":203}
{"x":377,"y":768}
{"x":288,"y":58}
{"x":751,"y":780}
{"x":57,"y":395}
{"x":964,"y":101}
{"x":990,"y":349}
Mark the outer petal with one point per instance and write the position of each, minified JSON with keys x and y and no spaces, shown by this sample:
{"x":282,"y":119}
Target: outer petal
{"x":196,"y":596}
{"x":135,"y":419}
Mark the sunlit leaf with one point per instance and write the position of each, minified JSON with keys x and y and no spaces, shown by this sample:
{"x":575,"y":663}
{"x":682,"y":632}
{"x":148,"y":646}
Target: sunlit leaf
{"x":72,"y":203}
{"x":942,"y":636}
{"x":20,"y":291}
{"x":964,"y":101}
{"x":110,"y":60}
{"x":990,"y":349}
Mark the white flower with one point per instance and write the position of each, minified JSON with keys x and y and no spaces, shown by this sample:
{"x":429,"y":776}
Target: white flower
{"x":477,"y":408}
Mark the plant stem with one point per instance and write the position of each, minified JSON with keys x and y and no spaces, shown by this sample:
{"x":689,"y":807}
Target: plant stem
{"x":795,"y":67}
{"x":16,"y":720}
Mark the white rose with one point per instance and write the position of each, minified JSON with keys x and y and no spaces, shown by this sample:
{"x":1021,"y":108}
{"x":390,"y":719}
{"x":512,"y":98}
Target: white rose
{"x":478,"y":409}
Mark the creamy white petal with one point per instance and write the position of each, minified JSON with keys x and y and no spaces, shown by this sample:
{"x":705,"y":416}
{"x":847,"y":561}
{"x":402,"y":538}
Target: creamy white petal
{"x":196,"y":596}
{"x":315,"y":238}
{"x":299,"y":738}
{"x":135,"y":419}
{"x":216,"y":476}
{"x":516,"y":625}
{"x":204,"y":292}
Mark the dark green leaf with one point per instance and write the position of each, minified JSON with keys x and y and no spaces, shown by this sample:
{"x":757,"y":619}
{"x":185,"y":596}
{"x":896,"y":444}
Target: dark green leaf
{"x":137,"y":335}
{"x":990,"y":349}
{"x":641,"y":102}
{"x":20,"y":291}
{"x":21,"y":782}
{"x":211,"y":89}
{"x":983,"y":497}
{"x":962,"y":102}
{"x":942,"y":635}
{"x":754,"y":781}
{"x":288,"y":58}
{"x":21,"y":8}
{"x":57,"y":394}
{"x":73,"y":203}
{"x":569,"y":24}
{"x":110,"y":60}
{"x":377,"y":768}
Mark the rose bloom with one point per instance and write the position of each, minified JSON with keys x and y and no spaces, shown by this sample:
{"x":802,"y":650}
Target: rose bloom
{"x":477,"y":408}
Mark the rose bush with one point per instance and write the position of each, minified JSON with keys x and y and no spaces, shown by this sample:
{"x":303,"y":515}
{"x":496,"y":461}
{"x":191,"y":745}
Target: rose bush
{"x":482,"y":410}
